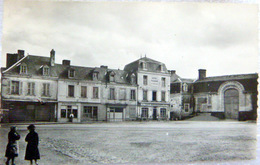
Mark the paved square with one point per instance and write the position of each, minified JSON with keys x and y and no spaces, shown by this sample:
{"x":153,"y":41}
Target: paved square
{"x":140,"y":142}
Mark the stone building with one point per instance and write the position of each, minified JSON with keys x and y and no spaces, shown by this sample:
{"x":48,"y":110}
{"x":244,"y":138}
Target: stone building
{"x":226,"y":97}
{"x":153,"y":88}
{"x":29,"y":87}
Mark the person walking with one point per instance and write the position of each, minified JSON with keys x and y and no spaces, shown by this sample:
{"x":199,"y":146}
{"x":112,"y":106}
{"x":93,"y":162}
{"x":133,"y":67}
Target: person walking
{"x":12,"y":146}
{"x":32,"y":139}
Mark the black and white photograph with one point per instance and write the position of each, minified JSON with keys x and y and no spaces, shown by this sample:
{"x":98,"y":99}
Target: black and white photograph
{"x":129,"y":82}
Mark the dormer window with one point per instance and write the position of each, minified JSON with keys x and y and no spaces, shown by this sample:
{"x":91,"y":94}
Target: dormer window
{"x":160,"y":68}
{"x":71,"y":73}
{"x":95,"y":76}
{"x":23,"y":69}
{"x":133,"y":79}
{"x":143,"y":65}
{"x":112,"y":77}
{"x":185,"y":87}
{"x":45,"y":70}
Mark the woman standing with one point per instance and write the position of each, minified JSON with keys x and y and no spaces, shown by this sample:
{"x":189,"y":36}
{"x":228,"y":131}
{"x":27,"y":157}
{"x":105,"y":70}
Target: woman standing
{"x":32,"y":139}
{"x":12,"y":146}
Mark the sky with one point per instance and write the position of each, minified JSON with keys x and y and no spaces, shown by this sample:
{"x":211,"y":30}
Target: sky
{"x":219,"y":37}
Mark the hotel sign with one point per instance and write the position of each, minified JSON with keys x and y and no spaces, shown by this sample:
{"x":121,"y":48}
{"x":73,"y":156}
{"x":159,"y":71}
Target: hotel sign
{"x":154,"y":81}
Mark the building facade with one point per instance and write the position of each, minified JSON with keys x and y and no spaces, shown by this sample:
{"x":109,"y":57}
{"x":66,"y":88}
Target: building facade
{"x":226,"y":97}
{"x":35,"y":88}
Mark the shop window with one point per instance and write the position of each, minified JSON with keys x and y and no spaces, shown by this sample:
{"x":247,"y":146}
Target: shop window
{"x":63,"y":113}
{"x":67,"y":110}
{"x":163,"y":112}
{"x":90,"y":111}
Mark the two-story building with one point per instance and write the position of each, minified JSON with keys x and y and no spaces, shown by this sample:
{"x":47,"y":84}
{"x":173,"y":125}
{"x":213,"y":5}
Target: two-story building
{"x":29,"y":87}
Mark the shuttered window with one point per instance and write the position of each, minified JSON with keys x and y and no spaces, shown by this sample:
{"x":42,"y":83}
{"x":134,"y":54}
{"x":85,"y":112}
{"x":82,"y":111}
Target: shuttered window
{"x":15,"y":87}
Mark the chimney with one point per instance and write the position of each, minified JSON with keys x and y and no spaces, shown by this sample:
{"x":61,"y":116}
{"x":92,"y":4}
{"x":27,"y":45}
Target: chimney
{"x":20,"y":54}
{"x":66,"y":62}
{"x":52,"y":57}
{"x":172,"y":72}
{"x":202,"y":73}
{"x":103,"y":66}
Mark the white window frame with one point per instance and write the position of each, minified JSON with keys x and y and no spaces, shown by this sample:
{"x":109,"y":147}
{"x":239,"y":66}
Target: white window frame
{"x":46,"y":89}
{"x":31,"y":88}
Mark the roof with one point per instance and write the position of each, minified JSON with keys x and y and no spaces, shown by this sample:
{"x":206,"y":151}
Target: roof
{"x":36,"y":63}
{"x":229,"y":77}
{"x":152,"y":65}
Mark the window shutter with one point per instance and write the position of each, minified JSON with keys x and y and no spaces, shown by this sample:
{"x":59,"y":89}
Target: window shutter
{"x":21,"y":88}
{"x":8,"y":87}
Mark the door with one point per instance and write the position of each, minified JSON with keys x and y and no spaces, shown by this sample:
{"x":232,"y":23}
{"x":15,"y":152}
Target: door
{"x":116,"y":114}
{"x":231,"y":103}
{"x":154,"y":114}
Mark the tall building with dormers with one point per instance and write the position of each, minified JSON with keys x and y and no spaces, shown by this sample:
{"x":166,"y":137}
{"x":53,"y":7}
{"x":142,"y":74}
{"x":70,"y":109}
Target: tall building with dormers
{"x":153,"y":88}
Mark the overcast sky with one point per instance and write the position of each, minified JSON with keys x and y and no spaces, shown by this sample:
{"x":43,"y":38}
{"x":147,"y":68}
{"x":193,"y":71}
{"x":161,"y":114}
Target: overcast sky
{"x":219,"y":37}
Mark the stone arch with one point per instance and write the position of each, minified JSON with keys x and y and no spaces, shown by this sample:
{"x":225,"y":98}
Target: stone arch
{"x":231,"y":85}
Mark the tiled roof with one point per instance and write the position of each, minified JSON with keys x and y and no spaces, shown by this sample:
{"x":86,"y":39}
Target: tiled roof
{"x":152,"y":65}
{"x":36,"y":63}
{"x":228,"y":77}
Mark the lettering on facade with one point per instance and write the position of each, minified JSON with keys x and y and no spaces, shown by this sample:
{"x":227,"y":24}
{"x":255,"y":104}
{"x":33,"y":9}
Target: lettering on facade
{"x":154,"y":81}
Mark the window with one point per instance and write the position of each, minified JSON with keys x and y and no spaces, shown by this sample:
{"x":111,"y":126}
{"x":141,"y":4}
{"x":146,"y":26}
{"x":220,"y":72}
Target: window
{"x":133,"y":79}
{"x":154,"y":95}
{"x":71,"y":73}
{"x":112,"y":77}
{"x":95,"y":92}
{"x":112,"y":93}
{"x":163,"y":82}
{"x":186,"y":107}
{"x":67,"y":110}
{"x":132,"y":94}
{"x":95,"y":76}
{"x":23,"y":69}
{"x":144,"y":112}
{"x":15,"y":87}
{"x":90,"y":112}
{"x":163,"y":95}
{"x":160,"y":68}
{"x":209,"y":100}
{"x":30,"y":88}
{"x":46,"y":71}
{"x":145,"y":95}
{"x":163,"y":113}
{"x":71,"y":90}
{"x":46,"y":89}
{"x":122,"y":94}
{"x":83,"y":91}
{"x":143,"y":65}
{"x":145,"y":80}
{"x":185,"y":87}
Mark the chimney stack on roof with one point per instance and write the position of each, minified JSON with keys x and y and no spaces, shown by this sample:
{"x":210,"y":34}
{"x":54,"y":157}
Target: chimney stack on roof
{"x":202,"y":73}
{"x":172,"y":72}
{"x":13,"y":58}
{"x":66,"y":62}
{"x":103,"y":66}
{"x":52,"y":57}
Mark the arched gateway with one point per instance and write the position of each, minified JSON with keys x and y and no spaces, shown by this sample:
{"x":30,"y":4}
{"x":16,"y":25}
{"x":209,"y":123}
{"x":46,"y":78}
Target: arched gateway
{"x":231,"y":96}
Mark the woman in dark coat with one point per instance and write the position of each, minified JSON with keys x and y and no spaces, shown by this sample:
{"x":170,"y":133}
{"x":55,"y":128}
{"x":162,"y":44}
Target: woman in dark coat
{"x":32,"y":139}
{"x":12,"y":146}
